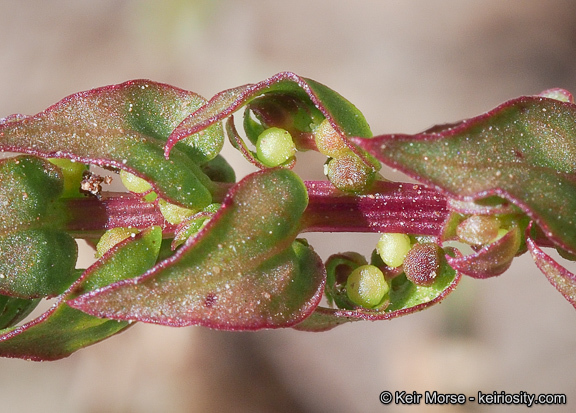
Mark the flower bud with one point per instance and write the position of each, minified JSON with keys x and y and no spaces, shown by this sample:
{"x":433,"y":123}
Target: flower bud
{"x":366,"y":286}
{"x":392,"y":248}
{"x":478,"y":229}
{"x":348,"y":173}
{"x":422,"y":263}
{"x":275,"y":147}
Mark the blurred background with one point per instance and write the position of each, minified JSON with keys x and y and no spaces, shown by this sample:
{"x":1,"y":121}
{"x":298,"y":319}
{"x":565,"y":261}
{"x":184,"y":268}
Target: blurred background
{"x":407,"y":65}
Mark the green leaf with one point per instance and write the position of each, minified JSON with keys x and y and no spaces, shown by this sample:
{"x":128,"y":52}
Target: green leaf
{"x":405,"y":297}
{"x":343,"y":115}
{"x":124,"y":126}
{"x":523,"y":151}
{"x":14,"y":310}
{"x":340,"y":110}
{"x":242,"y":271}
{"x":62,"y":330}
{"x":36,"y":263}
{"x":37,"y":257}
{"x":29,"y":187}
{"x":219,"y":170}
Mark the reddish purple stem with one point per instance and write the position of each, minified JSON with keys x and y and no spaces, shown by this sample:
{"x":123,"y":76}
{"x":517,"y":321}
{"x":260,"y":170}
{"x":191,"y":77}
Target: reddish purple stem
{"x":390,"y":207}
{"x":89,"y":217}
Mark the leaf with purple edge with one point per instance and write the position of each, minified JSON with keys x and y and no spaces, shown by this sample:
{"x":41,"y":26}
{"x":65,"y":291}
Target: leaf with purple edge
{"x":239,"y":144}
{"x":124,"y":126}
{"x":299,"y":117}
{"x":523,"y":151}
{"x":404,"y":298}
{"x":343,"y":115}
{"x":562,"y":279}
{"x":62,"y":330}
{"x":242,"y":271}
{"x":491,"y":260}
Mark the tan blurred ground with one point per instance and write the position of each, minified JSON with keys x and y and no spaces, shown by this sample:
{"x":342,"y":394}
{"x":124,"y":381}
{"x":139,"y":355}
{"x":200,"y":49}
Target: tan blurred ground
{"x":407,"y":65}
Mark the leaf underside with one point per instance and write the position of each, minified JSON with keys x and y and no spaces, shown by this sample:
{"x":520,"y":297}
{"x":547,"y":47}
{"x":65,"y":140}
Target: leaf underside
{"x":523,"y":151}
{"x":562,"y":279}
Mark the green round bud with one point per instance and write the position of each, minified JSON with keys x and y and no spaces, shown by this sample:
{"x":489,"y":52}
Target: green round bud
{"x":134,"y":183}
{"x":392,"y":248}
{"x":366,"y":286}
{"x":275,"y":146}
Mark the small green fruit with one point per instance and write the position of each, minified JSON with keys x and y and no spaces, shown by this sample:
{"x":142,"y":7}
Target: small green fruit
{"x":275,"y":147}
{"x":174,"y":214}
{"x":392,"y":248}
{"x":138,"y":185}
{"x":366,"y":286}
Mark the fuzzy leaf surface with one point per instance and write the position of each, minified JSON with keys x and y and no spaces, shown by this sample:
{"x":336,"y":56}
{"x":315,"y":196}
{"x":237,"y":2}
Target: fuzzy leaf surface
{"x":62,"y":330}
{"x":523,"y":151}
{"x":37,"y":257}
{"x":242,"y":271}
{"x":29,"y":188}
{"x":123,"y":126}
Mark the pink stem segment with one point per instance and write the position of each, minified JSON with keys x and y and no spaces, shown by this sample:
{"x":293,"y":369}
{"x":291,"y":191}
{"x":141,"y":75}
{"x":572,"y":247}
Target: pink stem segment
{"x":389,"y":207}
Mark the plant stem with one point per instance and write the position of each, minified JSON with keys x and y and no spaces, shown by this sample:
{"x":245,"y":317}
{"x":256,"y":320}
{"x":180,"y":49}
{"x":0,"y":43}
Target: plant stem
{"x":89,"y":217}
{"x":390,"y":207}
